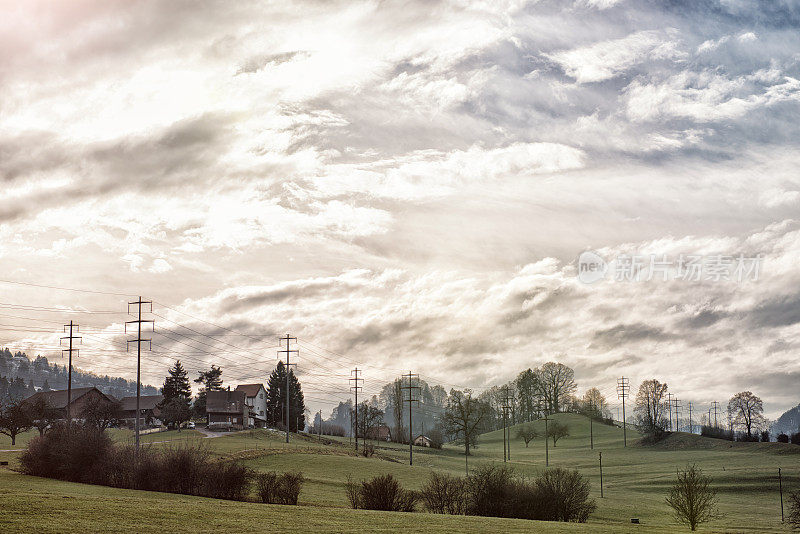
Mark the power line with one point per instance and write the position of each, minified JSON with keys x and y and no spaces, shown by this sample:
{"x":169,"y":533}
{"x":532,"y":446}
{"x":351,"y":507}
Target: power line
{"x":138,"y":322}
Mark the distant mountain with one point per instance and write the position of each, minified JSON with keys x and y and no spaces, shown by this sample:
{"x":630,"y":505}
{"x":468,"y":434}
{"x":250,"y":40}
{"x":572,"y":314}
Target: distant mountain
{"x":788,"y":423}
{"x":20,"y":377}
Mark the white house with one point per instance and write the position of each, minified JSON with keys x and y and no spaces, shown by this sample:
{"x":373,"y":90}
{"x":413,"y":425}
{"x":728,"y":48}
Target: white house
{"x":256,"y":399}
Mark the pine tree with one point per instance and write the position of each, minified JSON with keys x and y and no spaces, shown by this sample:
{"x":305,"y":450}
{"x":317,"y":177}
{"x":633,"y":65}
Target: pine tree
{"x":276,"y":400}
{"x":176,"y":384}
{"x":212,"y":381}
{"x":46,"y":386}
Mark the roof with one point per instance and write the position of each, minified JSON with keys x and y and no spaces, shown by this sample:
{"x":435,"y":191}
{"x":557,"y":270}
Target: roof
{"x":225,"y":401}
{"x":251,"y":390}
{"x":58,"y":398}
{"x":146,"y":402}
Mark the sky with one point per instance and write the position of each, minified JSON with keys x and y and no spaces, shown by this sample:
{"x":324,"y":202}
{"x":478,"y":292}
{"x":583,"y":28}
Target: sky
{"x":407,"y":186}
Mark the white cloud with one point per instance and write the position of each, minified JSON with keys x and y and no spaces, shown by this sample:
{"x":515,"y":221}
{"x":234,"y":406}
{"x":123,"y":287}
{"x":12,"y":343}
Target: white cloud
{"x":607,"y":59}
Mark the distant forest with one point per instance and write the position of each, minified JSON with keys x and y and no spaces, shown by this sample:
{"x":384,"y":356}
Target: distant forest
{"x":20,"y":377}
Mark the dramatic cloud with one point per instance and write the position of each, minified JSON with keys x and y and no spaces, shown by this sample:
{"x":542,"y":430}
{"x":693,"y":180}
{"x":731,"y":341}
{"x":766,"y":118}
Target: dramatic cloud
{"x":408,"y":184}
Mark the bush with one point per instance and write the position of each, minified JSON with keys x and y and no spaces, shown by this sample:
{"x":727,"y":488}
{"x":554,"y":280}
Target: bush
{"x":383,"y":492}
{"x":76,"y":454}
{"x":783,"y":438}
{"x":367,"y":450}
{"x":437,"y":438}
{"x":795,"y":438}
{"x":564,"y":496}
{"x":765,"y":436}
{"x":491,"y":491}
{"x":716,"y":432}
{"x":692,"y":499}
{"x":84,"y":454}
{"x":444,"y":494}
{"x":794,"y":510}
{"x":283,"y":489}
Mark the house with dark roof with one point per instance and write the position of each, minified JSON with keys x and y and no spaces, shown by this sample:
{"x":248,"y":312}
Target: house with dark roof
{"x":256,"y":399}
{"x":80,"y":397}
{"x":148,"y":408}
{"x":227,"y":410}
{"x":422,"y":441}
{"x":380,"y":433}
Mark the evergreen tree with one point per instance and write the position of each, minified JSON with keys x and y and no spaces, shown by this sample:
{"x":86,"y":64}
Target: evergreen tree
{"x":46,"y":386}
{"x":276,"y":400}
{"x":211,"y":381}
{"x":176,"y":404}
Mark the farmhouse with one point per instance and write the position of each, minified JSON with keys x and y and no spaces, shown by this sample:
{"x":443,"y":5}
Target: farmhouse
{"x":148,"y":409}
{"x":80,"y":397}
{"x":227,"y":410}
{"x":256,"y":399}
{"x":422,"y":441}
{"x":380,"y":433}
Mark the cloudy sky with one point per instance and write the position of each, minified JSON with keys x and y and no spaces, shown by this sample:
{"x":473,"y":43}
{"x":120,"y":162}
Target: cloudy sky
{"x":406,"y":186}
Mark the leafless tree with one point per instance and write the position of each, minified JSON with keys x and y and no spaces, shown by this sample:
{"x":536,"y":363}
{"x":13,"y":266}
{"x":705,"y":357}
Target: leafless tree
{"x":746,"y":411}
{"x":557,"y":382}
{"x":463,"y":417}
{"x":692,"y":499}
{"x":527,"y":432}
{"x":593,"y":403}
{"x":101,"y":414}
{"x":42,"y":414}
{"x":556,"y":431}
{"x":650,"y":408}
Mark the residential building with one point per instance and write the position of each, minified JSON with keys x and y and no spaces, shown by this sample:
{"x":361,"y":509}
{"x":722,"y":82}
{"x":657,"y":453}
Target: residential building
{"x":227,"y":410}
{"x":422,"y":441}
{"x":148,"y":409}
{"x":380,"y":433}
{"x":256,"y":399}
{"x":80,"y":397}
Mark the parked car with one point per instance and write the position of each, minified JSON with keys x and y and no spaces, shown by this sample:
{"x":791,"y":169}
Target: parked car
{"x":190,"y":424}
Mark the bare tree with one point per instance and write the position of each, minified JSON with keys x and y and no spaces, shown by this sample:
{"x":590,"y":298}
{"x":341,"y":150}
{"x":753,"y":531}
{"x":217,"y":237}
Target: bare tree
{"x":651,"y":408}
{"x":556,"y":431}
{"x":397,"y":410}
{"x":14,"y":420}
{"x":42,"y":414}
{"x":369,"y":417}
{"x":463,"y":417}
{"x":692,"y":499}
{"x":593,"y":403}
{"x":101,"y":414}
{"x":557,"y":382}
{"x":527,"y":432}
{"x":746,"y":411}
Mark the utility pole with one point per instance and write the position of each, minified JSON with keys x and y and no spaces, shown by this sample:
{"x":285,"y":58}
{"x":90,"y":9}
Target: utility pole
{"x":677,"y":414}
{"x":355,"y":387}
{"x":591,"y":429}
{"x":508,"y":402}
{"x":319,"y":430}
{"x":780,"y":485}
{"x":715,"y":405}
{"x":691,"y":427}
{"x":601,"y":474}
{"x":546,"y":446}
{"x":287,"y":339}
{"x":669,"y":405}
{"x":623,"y":389}
{"x":411,"y":387}
{"x":72,"y":328}
{"x":138,"y":322}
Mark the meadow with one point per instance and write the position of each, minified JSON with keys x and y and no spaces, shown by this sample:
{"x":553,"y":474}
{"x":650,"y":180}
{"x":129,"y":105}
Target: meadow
{"x":636,"y":480}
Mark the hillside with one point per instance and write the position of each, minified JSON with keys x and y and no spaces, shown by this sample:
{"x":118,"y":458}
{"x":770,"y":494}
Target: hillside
{"x":21,"y":377}
{"x":636,"y":481}
{"x":787,"y":423}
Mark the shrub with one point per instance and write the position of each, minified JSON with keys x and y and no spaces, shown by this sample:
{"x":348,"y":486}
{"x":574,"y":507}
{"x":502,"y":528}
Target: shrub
{"x":367,"y":450}
{"x":444,"y":494}
{"x":783,"y":438}
{"x":794,"y":510}
{"x":765,"y":436}
{"x":75,"y":453}
{"x":383,"y":492}
{"x":283,"y":489}
{"x":795,"y":438}
{"x":490,"y":491}
{"x":437,"y":438}
{"x":716,"y":432}
{"x":692,"y":499}
{"x":267,"y":487}
{"x":353,"y":490}
{"x":225,"y":479}
{"x":564,"y":496}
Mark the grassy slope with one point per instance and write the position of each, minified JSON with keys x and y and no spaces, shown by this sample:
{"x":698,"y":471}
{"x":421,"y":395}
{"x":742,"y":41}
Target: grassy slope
{"x":636,"y":480}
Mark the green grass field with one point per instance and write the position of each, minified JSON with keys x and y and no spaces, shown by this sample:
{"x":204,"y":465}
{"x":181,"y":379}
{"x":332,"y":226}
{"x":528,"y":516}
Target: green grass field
{"x":636,"y":481}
